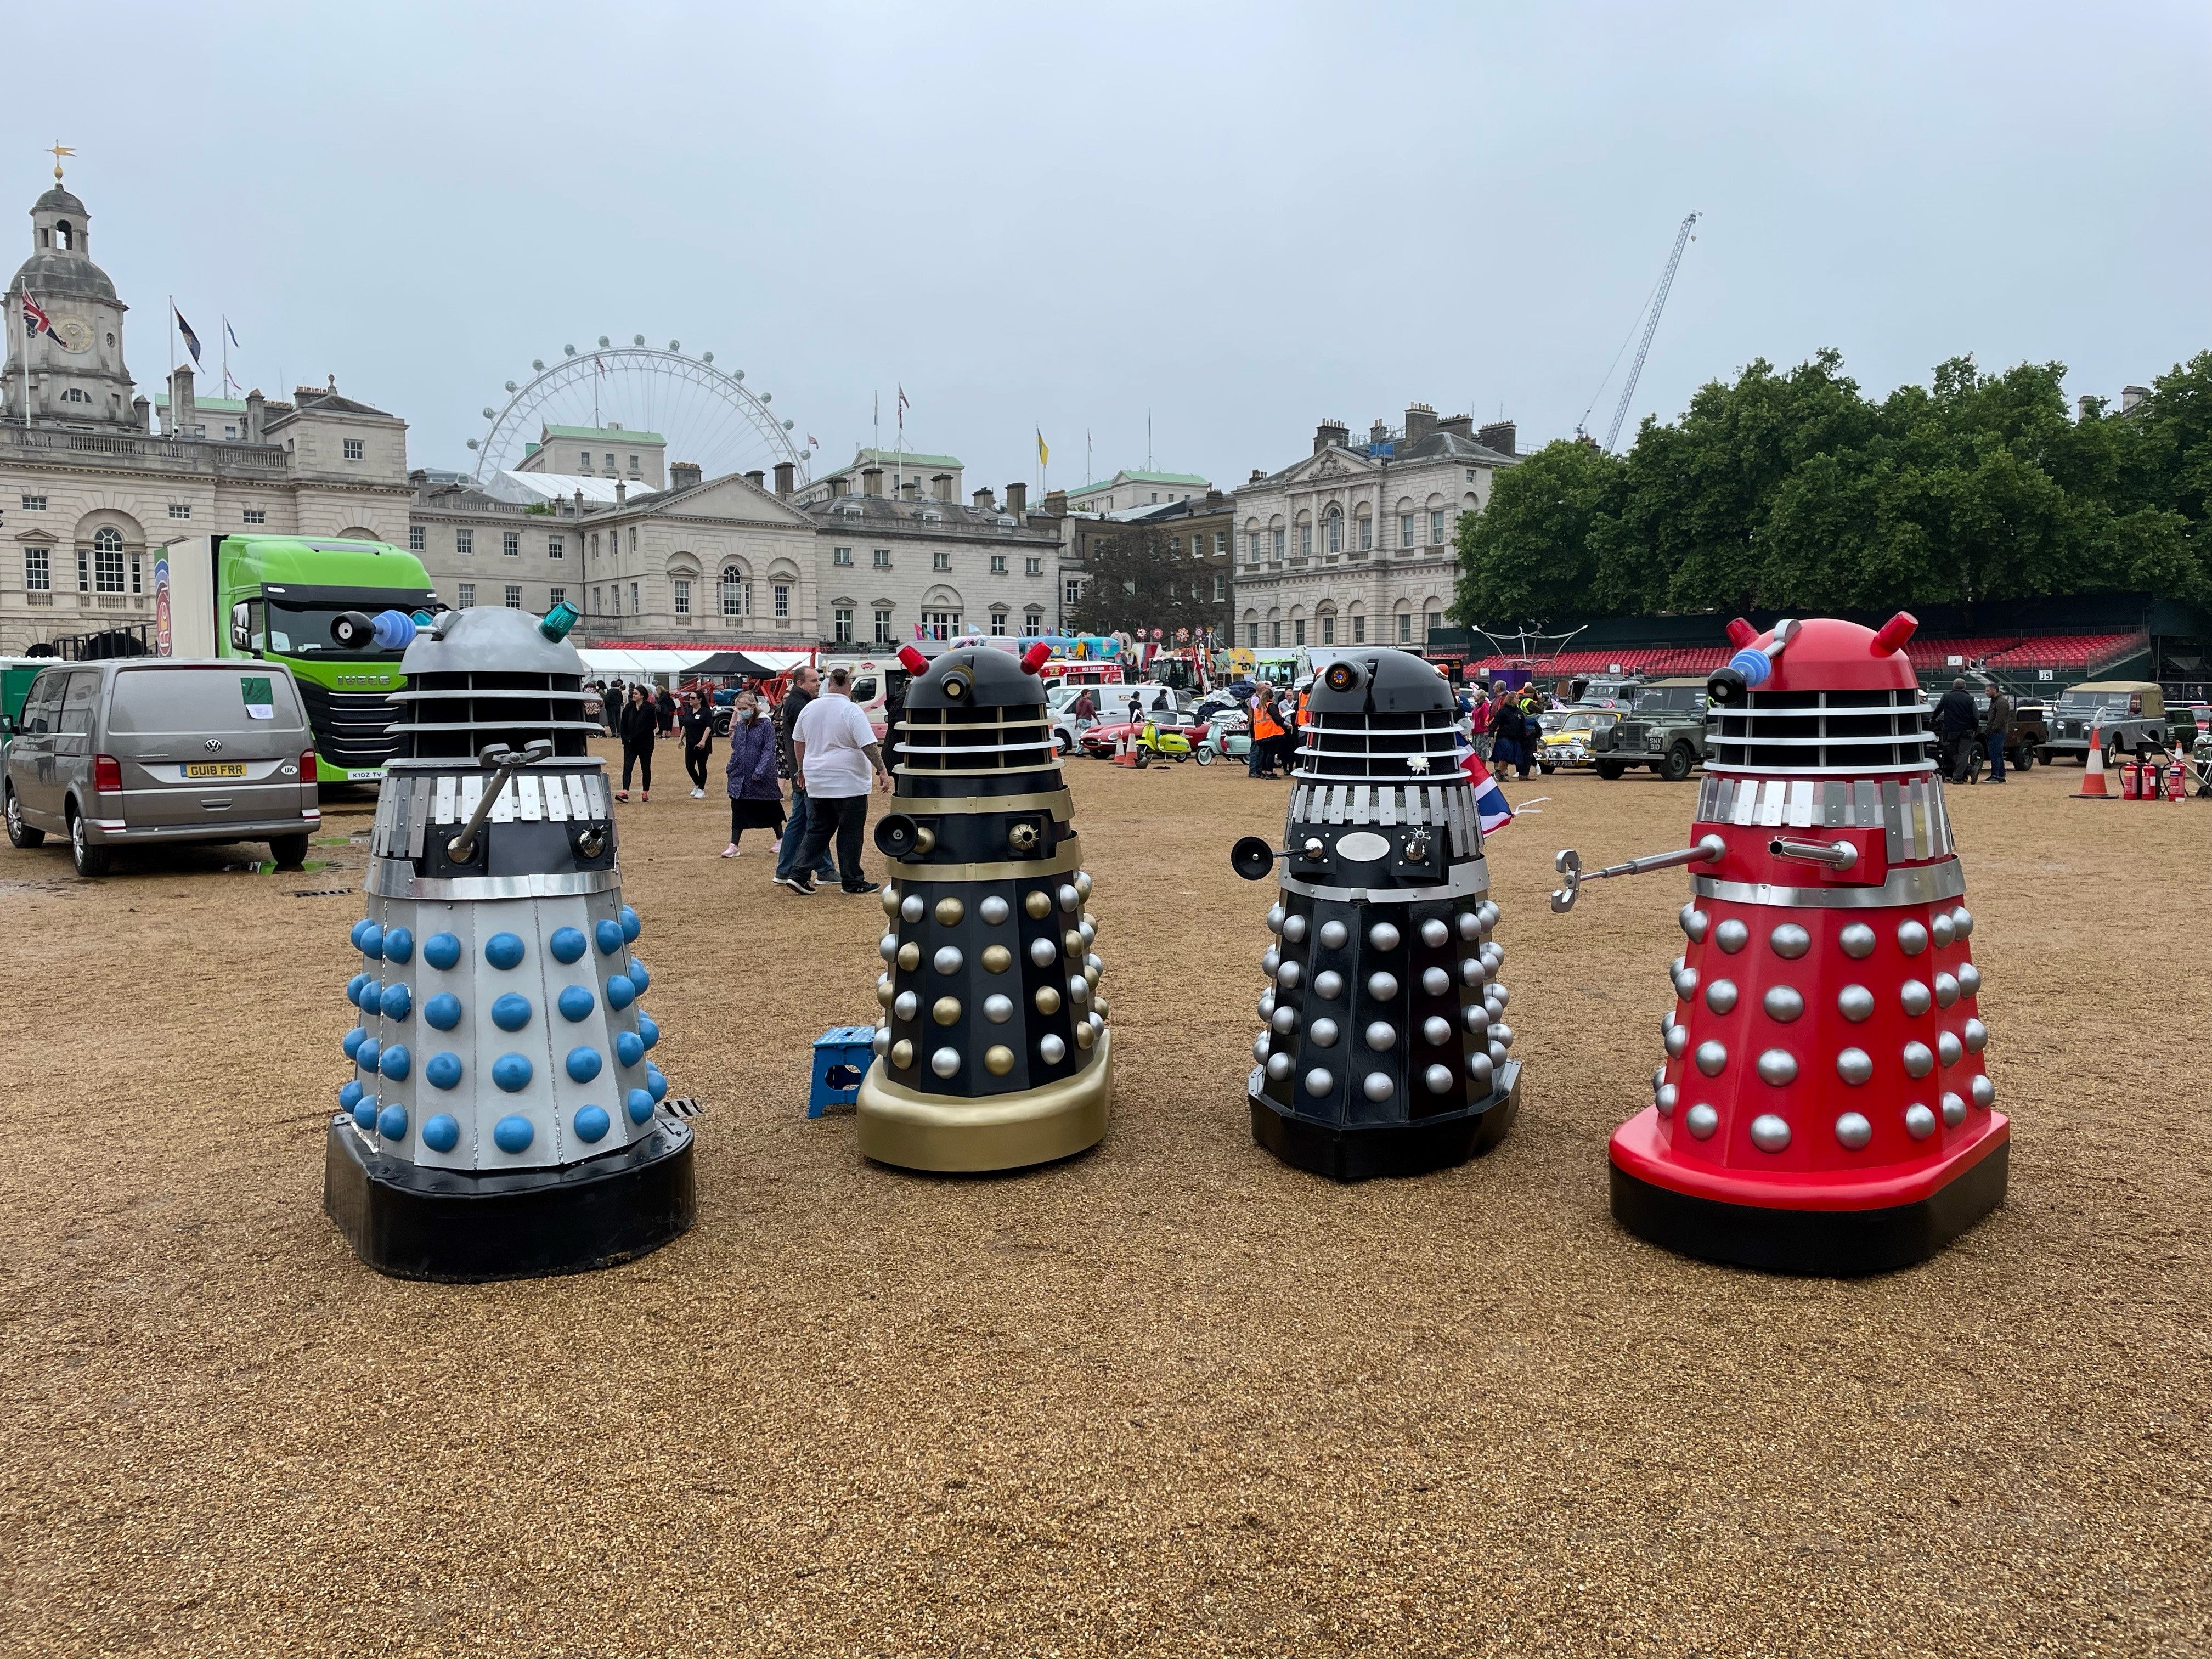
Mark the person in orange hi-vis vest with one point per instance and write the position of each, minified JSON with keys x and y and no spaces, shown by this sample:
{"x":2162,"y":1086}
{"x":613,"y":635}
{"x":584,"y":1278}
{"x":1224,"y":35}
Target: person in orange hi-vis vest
{"x":1267,"y":730}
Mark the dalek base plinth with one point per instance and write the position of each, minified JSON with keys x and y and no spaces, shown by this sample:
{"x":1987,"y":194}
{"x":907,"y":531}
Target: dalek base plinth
{"x":953,"y":1135}
{"x":456,"y":1228}
{"x":1355,"y":1152}
{"x":1829,"y":1243}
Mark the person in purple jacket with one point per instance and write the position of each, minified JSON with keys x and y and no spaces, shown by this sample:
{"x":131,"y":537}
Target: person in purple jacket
{"x":756,"y":795}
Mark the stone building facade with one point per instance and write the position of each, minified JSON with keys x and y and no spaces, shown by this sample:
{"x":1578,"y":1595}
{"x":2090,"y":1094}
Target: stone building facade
{"x":1353,"y":543}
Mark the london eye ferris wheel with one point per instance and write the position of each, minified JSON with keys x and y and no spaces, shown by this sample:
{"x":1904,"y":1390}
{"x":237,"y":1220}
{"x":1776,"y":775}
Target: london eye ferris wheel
{"x":707,"y":413}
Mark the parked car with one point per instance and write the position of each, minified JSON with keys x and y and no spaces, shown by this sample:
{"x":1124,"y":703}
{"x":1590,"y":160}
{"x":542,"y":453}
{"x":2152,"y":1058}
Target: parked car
{"x":1101,"y":740}
{"x":147,"y":750}
{"x":2130,"y":714}
{"x":1665,"y":730}
{"x":1568,"y":738}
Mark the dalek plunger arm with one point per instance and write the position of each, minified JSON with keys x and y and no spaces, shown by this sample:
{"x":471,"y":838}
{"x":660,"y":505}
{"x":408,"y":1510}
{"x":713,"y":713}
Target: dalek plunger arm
{"x":1569,"y":863}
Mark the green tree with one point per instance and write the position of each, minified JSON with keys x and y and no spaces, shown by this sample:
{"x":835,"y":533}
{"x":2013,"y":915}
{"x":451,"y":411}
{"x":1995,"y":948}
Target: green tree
{"x":1527,"y":555}
{"x":1140,"y":580}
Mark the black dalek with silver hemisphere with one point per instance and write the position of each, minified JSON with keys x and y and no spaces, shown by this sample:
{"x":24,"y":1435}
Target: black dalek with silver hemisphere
{"x":1385,"y":1051}
{"x":504,"y":1120}
{"x":994,"y":1051}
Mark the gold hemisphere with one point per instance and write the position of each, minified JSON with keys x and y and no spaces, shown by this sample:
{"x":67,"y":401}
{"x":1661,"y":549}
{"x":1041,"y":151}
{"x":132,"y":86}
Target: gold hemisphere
{"x":1038,"y":904}
{"x":1071,"y":942}
{"x":1084,"y":1036}
{"x":1048,"y":1000}
{"x":944,"y":1010}
{"x":997,"y":959}
{"x":884,"y":993}
{"x":909,"y":954}
{"x":998,"y":1059}
{"x":902,"y":1054}
{"x":891,"y":900}
{"x":949,"y":912}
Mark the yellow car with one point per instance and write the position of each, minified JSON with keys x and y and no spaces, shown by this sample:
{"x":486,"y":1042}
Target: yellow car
{"x":1567,"y":739}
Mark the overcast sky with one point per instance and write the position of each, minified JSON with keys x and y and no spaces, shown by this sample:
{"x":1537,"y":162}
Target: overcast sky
{"x":1243,"y":219}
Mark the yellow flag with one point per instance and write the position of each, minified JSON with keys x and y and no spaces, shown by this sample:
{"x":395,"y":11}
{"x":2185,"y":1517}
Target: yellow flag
{"x":1044,"y":455}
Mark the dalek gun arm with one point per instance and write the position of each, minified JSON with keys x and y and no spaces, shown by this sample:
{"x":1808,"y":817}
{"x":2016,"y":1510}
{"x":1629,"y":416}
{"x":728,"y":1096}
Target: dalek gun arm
{"x":1569,"y":863}
{"x":1835,"y":854}
{"x":507,"y":762}
{"x":1253,"y":859}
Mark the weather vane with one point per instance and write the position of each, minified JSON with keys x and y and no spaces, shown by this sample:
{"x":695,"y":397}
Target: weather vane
{"x":59,"y":150}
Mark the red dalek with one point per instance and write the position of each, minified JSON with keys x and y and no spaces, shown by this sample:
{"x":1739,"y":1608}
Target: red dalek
{"x":1823,"y":1107}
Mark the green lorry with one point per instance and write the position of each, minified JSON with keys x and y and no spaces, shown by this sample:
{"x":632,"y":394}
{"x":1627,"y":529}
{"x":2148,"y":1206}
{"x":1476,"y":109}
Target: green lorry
{"x":279,"y":597}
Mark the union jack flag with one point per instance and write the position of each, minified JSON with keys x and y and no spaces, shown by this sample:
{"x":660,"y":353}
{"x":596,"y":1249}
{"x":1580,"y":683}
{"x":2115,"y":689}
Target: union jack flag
{"x":35,"y":321}
{"x":1490,"y":806}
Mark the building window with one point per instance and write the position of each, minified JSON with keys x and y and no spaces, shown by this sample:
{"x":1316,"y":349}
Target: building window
{"x":594,"y":603}
{"x":107,"y":560}
{"x":468,"y":592}
{"x":355,"y":449}
{"x":633,"y":539}
{"x":1366,"y":535}
{"x":1430,"y":622}
{"x":1252,"y":635}
{"x":843,"y":625}
{"x":1305,"y":541}
{"x":634,"y":607}
{"x":940,"y":624}
{"x":883,"y":624}
{"x":997,"y":564}
{"x":34,"y":503}
{"x":256,"y":515}
{"x":180,"y":509}
{"x":882,"y":558}
{"x":38,"y":568}
{"x":682,"y":596}
{"x":1405,"y":530}
{"x":553,"y":548}
{"x":75,"y":395}
{"x":1274,"y":636}
{"x":1405,"y":628}
{"x":842,"y":555}
{"x":1033,"y":567}
{"x":998,"y":622}
{"x":633,"y":463}
{"x":1073,"y":592}
{"x":1253,"y":554}
{"x":1277,"y":549}
{"x":556,"y":596}
{"x":1298,"y":632}
{"x":1221,"y":543}
{"x":781,"y":592}
{"x":595,"y":544}
{"x":464,"y":542}
{"x":415,"y":538}
{"x":584,"y":461}
{"x":1336,"y":533}
{"x":510,"y":544}
{"x":737,"y":592}
{"x":1328,"y":630}
{"x":514,"y":596}
{"x":940,"y":560}
{"x":1437,"y":528}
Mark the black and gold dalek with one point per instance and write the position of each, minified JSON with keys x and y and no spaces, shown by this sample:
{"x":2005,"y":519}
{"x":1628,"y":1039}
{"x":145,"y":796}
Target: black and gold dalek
{"x":1385,"y":1046}
{"x":993,"y":1054}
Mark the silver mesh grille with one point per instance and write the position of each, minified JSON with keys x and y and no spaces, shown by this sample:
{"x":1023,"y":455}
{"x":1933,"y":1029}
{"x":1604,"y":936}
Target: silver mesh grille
{"x":1821,"y":732}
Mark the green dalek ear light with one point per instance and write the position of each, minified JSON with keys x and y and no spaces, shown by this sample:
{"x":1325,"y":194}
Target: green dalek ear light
{"x":558,"y":621}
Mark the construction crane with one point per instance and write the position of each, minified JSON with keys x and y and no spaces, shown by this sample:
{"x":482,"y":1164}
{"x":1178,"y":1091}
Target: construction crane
{"x":1657,"y":304}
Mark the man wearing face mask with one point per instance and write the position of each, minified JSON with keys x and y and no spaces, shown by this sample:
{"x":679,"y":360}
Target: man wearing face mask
{"x":755,"y":797}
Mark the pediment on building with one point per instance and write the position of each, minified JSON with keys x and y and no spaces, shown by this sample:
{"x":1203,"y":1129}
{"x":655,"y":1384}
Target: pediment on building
{"x":1330,"y":466}
{"x":39,"y":536}
{"x":730,"y":497}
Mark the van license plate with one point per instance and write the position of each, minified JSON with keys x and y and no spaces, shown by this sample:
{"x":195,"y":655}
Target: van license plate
{"x":215,"y":769}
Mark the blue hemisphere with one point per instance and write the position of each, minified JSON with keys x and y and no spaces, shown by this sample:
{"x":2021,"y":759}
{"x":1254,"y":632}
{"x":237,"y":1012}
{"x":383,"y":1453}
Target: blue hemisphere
{"x":631,"y":926}
{"x":513,"y":1072}
{"x":442,"y":1071}
{"x":354,"y":933}
{"x":364,"y":1114}
{"x":577,"y":1001}
{"x":397,"y":1001}
{"x":584,"y":1064}
{"x":391,"y":1123}
{"x":655,"y":1082}
{"x":620,"y":993}
{"x":514,"y":1133}
{"x":365,"y":1055}
{"x":510,"y":1012}
{"x":442,"y":1012}
{"x":372,"y":940}
{"x":353,"y":988}
{"x":640,"y":1105}
{"x":441,"y":951}
{"x":591,"y":1124}
{"x":372,"y":993}
{"x":348,"y":1094}
{"x":609,"y":936}
{"x":649,"y":1028}
{"x":638,"y":977}
{"x":629,"y":1048}
{"x":567,"y":944}
{"x":442,"y":1132}
{"x":394,"y":1062}
{"x":354,"y":1039}
{"x":398,"y":944}
{"x":503,"y":951}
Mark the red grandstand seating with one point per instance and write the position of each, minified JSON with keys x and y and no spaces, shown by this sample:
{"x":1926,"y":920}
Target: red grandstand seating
{"x":2078,"y":654}
{"x":2072,"y":653}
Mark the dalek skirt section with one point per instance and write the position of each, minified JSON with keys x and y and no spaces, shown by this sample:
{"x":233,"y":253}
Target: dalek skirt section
{"x":1821,"y":1105}
{"x":503,"y":1120}
{"x":1385,"y":1050}
{"x":993,"y":1052}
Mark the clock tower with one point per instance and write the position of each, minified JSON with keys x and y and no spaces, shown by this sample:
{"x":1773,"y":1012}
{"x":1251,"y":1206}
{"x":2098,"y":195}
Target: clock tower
{"x":74,"y":367}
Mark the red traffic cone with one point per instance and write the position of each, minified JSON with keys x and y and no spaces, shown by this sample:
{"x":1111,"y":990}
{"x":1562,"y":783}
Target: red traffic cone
{"x":2092,"y":785}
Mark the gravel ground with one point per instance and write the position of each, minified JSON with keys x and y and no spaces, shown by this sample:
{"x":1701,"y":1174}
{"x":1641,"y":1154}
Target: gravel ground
{"x":1170,"y":1398}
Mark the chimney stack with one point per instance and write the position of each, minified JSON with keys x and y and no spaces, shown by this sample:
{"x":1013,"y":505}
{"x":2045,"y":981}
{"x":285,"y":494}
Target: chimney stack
{"x":910,"y":490}
{"x":257,"y":416}
{"x":986,"y":500}
{"x":182,"y":414}
{"x":621,"y":492}
{"x":872,"y":481}
{"x":1460,"y":426}
{"x":1420,"y":420}
{"x":757,"y":478}
{"x":941,"y":486}
{"x":1331,"y":432}
{"x":682,"y":474}
{"x":1018,"y":499}
{"x":2131,"y":396}
{"x":1498,"y":435}
{"x":784,"y":485}
{"x":141,"y":413}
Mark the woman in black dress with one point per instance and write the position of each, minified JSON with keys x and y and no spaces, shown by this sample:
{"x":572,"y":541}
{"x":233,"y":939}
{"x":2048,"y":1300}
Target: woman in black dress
{"x":756,"y":795}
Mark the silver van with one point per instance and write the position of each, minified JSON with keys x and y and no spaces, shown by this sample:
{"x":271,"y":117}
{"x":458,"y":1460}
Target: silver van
{"x":142,"y":750}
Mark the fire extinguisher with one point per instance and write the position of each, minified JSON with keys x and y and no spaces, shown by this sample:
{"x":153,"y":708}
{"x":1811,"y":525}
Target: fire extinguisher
{"x":2130,"y":781}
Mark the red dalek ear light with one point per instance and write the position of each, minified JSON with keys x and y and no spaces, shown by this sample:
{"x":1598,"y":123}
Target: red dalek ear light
{"x":1822,"y":1106}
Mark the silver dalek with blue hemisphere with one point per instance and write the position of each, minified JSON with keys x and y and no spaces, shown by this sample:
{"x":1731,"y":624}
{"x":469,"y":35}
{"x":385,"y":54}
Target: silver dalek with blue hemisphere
{"x":1385,"y":1046}
{"x":994,"y":1051}
{"x":503,"y":1119}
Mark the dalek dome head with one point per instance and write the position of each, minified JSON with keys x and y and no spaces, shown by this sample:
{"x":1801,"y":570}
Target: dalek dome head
{"x":976,"y":677}
{"x":1379,"y":716}
{"x":1820,"y":696}
{"x":489,"y":676}
{"x":1380,"y":682}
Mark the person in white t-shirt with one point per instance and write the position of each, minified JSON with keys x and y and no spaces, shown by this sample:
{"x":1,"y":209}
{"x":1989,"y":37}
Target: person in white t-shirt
{"x":834,"y":754}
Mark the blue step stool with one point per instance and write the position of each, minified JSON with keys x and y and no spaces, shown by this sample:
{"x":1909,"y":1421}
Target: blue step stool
{"x":842,"y":1058}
